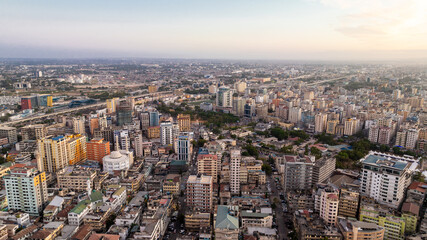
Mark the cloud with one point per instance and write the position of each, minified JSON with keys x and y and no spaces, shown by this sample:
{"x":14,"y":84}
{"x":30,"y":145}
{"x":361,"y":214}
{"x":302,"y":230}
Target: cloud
{"x":383,"y":22}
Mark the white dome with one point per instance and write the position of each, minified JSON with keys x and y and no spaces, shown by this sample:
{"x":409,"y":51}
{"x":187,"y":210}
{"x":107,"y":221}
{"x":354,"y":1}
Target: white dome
{"x":115,"y":155}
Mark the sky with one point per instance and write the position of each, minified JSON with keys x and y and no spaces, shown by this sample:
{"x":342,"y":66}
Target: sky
{"x":215,"y":29}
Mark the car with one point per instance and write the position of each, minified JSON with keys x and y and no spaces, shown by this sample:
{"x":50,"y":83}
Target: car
{"x":182,"y":231}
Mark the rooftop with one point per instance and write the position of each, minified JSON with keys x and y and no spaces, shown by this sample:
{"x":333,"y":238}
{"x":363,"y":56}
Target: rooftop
{"x":224,"y":220}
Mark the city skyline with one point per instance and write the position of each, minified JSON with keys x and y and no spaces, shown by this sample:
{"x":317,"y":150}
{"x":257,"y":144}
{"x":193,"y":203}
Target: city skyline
{"x":279,"y":30}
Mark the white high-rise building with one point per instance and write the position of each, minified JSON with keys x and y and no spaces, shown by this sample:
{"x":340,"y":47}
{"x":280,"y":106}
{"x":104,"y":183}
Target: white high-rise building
{"x":385,"y":177}
{"x":320,"y":122}
{"x":329,"y":206}
{"x":224,"y":97}
{"x":138,"y":146}
{"x":407,"y":138}
{"x":79,"y":125}
{"x":240,"y":87}
{"x":26,"y":190}
{"x":235,"y":158}
{"x":166,"y":133}
{"x":373,"y":134}
{"x":184,"y":148}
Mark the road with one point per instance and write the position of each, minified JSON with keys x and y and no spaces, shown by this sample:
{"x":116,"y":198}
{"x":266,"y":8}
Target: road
{"x":280,"y":217}
{"x":157,"y":95}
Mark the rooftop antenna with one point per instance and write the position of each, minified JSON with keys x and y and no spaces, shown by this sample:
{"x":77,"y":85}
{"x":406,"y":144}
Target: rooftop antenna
{"x":117,"y":143}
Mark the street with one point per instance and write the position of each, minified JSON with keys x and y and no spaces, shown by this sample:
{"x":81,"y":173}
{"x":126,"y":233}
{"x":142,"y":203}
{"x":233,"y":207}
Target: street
{"x":280,"y":217}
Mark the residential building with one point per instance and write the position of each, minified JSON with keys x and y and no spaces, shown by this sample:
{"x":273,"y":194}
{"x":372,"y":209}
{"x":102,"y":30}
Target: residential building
{"x":407,"y":138}
{"x":224,"y":97}
{"x":26,"y":190}
{"x":323,"y":169}
{"x":298,"y":172}
{"x":97,"y":149}
{"x":53,"y":153}
{"x":207,"y":165}
{"x":76,"y":149}
{"x":356,"y":230}
{"x":226,"y":223}
{"x":235,"y":158}
{"x":348,"y":201}
{"x":79,"y":125}
{"x":184,"y":148}
{"x":171,"y":184}
{"x":385,"y":177}
{"x":166,"y":133}
{"x":329,"y":207}
{"x":295,"y":114}
{"x":199,"y":192}
{"x":76,"y":178}
{"x":9,"y":133}
{"x":184,"y":122}
{"x":331,"y":126}
{"x":320,"y":120}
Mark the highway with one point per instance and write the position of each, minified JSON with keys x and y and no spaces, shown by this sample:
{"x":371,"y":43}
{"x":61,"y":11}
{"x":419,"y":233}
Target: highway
{"x":96,"y":105}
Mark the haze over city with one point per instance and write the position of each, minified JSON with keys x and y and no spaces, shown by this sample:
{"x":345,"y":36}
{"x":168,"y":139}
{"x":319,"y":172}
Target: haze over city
{"x":296,"y":29}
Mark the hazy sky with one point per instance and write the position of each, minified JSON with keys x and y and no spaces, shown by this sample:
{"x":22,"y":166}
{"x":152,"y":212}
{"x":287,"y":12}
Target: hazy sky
{"x":237,"y":29}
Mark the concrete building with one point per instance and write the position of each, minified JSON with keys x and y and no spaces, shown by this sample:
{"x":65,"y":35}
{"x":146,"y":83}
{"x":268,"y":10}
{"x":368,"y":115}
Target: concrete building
{"x":348,"y":201}
{"x":331,"y":126}
{"x":97,"y":149}
{"x":329,"y":207}
{"x":394,"y":226}
{"x":184,"y":122}
{"x":385,"y":177}
{"x":184,"y":148}
{"x":320,"y":122}
{"x":356,"y":230}
{"x":76,"y":149}
{"x":33,"y":132}
{"x":76,"y":178}
{"x":26,"y":190}
{"x":117,"y":161}
{"x":53,"y":153}
{"x":207,"y":165}
{"x":239,"y":106}
{"x":224,"y":97}
{"x":172,"y":183}
{"x":226,"y":223}
{"x":124,"y":114}
{"x":9,"y":133}
{"x":295,"y":114}
{"x":407,"y":138}
{"x":235,"y":159}
{"x":323,"y":169}
{"x":199,"y":192}
{"x":167,"y":133}
{"x":298,"y":172}
{"x":79,"y":125}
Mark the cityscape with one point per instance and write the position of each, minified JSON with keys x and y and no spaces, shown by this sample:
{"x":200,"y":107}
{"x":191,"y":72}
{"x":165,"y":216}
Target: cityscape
{"x":97,"y":143}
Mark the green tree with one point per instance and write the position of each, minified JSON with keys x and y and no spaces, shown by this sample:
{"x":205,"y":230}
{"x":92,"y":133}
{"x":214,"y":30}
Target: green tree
{"x":267,"y":169}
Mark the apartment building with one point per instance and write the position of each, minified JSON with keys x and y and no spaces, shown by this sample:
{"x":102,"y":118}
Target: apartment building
{"x":97,"y":148}
{"x":199,"y":192}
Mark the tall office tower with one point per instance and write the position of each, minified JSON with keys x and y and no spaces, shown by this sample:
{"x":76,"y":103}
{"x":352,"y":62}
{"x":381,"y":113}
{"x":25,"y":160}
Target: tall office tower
{"x":407,"y":138}
{"x":298,"y":172}
{"x":184,"y":122}
{"x":349,"y":201}
{"x":295,"y":114}
{"x":207,"y":164}
{"x":97,"y":148}
{"x":199,"y":192}
{"x":93,"y":125}
{"x":240,"y":86}
{"x":235,"y":159}
{"x":385,"y":178}
{"x":76,"y":149}
{"x":397,"y":94}
{"x":239,"y":106}
{"x":79,"y":125}
{"x":320,"y":121}
{"x":309,"y":95}
{"x":184,"y":148}
{"x":33,"y":132}
{"x":350,"y":126}
{"x":111,"y":105}
{"x":137,"y":145}
{"x":329,"y":207}
{"x":331,"y":126}
{"x":9,"y":133}
{"x":144,"y":117}
{"x":53,"y":153}
{"x":224,"y":97}
{"x":384,"y":135}
{"x":26,"y":190}
{"x":373,"y":134}
{"x":124,"y":114}
{"x":166,"y":133}
{"x":154,"y":119}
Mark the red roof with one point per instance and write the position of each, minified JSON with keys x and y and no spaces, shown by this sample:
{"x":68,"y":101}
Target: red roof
{"x":418,"y":186}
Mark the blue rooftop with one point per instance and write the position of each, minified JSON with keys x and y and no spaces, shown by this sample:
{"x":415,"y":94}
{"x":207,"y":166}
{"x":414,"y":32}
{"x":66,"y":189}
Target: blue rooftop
{"x":386,"y":162}
{"x":58,"y":138}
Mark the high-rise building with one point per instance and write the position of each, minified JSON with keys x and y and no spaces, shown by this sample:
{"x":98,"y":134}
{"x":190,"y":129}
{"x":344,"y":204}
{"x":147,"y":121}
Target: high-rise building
{"x":26,"y":190}
{"x":53,"y":153}
{"x":26,"y":103}
{"x":137,"y":145}
{"x":123,"y":139}
{"x":384,"y":135}
{"x":154,"y":119}
{"x":385,"y":177}
{"x":349,"y":201}
{"x":224,"y":97}
{"x":331,"y":126}
{"x":33,"y":132}
{"x":320,"y":121}
{"x":184,"y":148}
{"x":329,"y":207}
{"x":111,"y":105}
{"x":373,"y":134}
{"x":79,"y":125}
{"x":199,"y":192}
{"x":184,"y":122}
{"x":166,"y":133}
{"x":207,"y":165}
{"x":9,"y":133}
{"x":76,"y":149}
{"x":323,"y":169}
{"x":145,"y":120}
{"x":309,"y":95}
{"x":239,"y":106}
{"x":124,"y":114}
{"x":407,"y":138}
{"x":295,"y":114}
{"x":351,"y":126}
{"x":397,"y":94}
{"x":97,"y":148}
{"x":298,"y":172}
{"x":235,"y":158}
{"x":93,"y":124}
